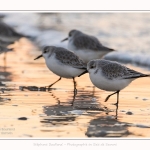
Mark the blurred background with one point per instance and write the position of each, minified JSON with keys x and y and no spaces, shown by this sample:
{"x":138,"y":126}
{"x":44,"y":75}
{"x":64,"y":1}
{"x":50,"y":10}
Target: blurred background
{"x":128,"y":33}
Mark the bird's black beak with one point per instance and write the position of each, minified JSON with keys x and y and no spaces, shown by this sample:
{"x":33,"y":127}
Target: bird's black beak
{"x":83,"y":73}
{"x":38,"y":57}
{"x":64,"y":39}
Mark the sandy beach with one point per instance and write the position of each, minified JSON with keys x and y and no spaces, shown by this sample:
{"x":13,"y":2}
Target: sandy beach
{"x":32,"y":113}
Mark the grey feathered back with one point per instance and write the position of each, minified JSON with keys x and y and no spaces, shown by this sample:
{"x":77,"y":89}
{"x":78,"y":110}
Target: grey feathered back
{"x":84,"y":41}
{"x":69,"y":58}
{"x":112,"y":70}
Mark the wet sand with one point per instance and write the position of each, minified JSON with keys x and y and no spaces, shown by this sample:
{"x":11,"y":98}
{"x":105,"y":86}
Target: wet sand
{"x":44,"y":117}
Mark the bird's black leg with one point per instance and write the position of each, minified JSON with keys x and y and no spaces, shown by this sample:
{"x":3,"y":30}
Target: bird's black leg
{"x":54,"y":83}
{"x":117,"y":98}
{"x":93,"y":90}
{"x":5,"y":62}
{"x":116,"y":111}
{"x":75,"y":92}
{"x":4,"y":56}
{"x":117,"y":104}
{"x":110,"y":95}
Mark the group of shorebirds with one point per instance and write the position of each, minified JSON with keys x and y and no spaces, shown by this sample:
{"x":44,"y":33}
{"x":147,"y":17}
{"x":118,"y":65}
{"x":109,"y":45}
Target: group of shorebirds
{"x":85,"y":54}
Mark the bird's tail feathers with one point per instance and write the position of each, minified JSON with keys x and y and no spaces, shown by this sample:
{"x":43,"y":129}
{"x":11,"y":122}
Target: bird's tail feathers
{"x":108,"y":49}
{"x":138,"y":76}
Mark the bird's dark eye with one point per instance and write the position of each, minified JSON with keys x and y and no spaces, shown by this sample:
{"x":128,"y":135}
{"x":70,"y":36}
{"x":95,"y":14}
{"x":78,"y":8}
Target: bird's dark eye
{"x":45,"y":51}
{"x":46,"y":48}
{"x":92,"y":67}
{"x":70,"y":34}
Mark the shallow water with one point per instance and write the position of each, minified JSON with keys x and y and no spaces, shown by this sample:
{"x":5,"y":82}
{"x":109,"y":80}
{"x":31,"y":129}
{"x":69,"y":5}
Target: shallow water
{"x":28,"y":109}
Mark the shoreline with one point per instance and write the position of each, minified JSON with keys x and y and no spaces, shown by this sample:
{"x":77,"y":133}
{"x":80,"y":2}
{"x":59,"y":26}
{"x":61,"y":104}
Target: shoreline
{"x":90,"y":117}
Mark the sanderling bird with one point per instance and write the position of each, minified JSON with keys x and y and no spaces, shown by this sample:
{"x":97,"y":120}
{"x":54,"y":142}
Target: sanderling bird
{"x":63,"y":63}
{"x":85,"y":46}
{"x":8,"y":34}
{"x":5,"y":43}
{"x":111,"y":76}
{"x":4,"y":49}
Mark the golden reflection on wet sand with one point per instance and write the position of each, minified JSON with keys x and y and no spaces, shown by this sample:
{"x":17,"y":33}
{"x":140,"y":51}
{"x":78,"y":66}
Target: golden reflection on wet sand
{"x":45,"y":117}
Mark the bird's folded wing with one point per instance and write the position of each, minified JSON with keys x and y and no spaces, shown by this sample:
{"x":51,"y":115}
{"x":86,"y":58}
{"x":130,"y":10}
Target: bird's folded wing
{"x":70,"y":59}
{"x":134,"y":74}
{"x":118,"y":71}
{"x":87,"y":42}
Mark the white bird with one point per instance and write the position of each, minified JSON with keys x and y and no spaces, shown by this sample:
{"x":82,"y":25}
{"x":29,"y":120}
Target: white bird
{"x":63,"y":63}
{"x":85,"y":46}
{"x":111,"y":76}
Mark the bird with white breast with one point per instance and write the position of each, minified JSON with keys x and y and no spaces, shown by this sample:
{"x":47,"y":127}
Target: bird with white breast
{"x":85,"y":46}
{"x":63,"y":63}
{"x":111,"y":76}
